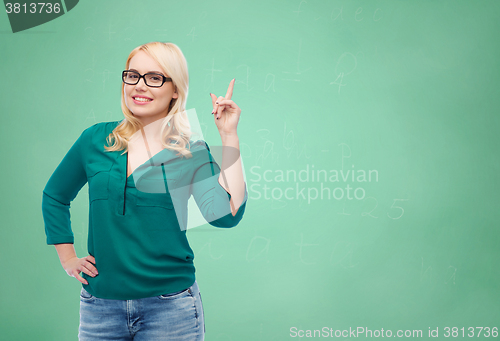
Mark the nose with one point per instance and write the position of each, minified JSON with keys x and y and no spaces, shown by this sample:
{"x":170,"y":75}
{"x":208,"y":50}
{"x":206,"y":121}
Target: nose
{"x":141,"y":84}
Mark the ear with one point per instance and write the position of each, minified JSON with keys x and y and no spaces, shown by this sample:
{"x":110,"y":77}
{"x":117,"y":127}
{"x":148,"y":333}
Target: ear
{"x":175,"y":95}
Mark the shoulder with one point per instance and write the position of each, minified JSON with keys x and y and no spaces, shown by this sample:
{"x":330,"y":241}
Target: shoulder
{"x":99,"y":131}
{"x":95,"y":134}
{"x":102,"y":128}
{"x":198,"y":145}
{"x":200,"y":152}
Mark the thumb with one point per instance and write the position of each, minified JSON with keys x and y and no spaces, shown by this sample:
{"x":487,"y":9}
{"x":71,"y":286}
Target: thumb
{"x":90,"y":259}
{"x":214,"y":99}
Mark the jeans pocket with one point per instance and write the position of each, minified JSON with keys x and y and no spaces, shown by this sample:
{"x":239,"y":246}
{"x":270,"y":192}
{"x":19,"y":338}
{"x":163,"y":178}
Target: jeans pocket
{"x":202,"y":312}
{"x":174,"y":295}
{"x":86,"y":296}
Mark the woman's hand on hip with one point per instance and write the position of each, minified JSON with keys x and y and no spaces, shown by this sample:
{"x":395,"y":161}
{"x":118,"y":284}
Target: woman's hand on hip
{"x":74,"y":266}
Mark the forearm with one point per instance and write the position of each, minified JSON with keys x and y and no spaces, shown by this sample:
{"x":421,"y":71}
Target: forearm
{"x":231,"y":176}
{"x":65,"y":252}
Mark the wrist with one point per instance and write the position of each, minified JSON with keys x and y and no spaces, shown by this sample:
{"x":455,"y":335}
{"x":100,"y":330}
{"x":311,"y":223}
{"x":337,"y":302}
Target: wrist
{"x":229,"y":138}
{"x":65,"y":261}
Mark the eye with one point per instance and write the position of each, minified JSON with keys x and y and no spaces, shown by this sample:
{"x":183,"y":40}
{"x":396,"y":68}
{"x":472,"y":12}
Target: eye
{"x":130,"y":75}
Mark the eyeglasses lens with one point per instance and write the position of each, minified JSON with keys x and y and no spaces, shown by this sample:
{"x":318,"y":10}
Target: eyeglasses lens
{"x":152,"y":79}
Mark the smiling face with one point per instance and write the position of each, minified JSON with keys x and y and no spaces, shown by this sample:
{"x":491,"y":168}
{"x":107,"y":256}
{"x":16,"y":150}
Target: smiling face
{"x":158,"y":99}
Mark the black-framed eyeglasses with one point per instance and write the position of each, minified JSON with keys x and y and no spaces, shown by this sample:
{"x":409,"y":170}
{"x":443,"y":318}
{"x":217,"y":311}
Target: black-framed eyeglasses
{"x":154,"y":80}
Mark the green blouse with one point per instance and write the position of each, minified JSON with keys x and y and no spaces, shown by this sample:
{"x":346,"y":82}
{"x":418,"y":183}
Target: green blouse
{"x":137,"y":225}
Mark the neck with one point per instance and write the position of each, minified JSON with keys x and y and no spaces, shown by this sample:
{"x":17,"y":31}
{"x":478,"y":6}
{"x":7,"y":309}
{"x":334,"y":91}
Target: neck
{"x":151,"y":131}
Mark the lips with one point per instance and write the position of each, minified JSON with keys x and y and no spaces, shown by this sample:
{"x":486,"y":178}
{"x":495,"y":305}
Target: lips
{"x":141,"y":100}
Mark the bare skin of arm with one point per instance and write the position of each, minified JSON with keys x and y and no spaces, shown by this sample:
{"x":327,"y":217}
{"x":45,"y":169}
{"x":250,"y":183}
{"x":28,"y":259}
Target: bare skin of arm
{"x":231,"y":176}
{"x":226,"y":117}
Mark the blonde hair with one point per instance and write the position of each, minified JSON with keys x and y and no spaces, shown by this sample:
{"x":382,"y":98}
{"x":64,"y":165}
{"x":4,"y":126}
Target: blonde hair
{"x":175,"y":129}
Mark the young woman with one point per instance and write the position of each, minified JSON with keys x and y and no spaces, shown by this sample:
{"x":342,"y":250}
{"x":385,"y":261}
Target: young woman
{"x":138,"y":281}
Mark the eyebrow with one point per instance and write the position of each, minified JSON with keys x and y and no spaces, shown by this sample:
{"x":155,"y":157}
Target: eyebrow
{"x":161,"y":73}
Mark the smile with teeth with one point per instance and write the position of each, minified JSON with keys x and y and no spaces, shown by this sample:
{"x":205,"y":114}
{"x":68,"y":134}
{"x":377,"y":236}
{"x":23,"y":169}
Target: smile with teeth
{"x":140,"y":99}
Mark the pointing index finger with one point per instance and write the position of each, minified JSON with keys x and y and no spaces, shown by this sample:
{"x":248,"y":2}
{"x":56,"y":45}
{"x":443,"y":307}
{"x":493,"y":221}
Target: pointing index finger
{"x":229,"y":93}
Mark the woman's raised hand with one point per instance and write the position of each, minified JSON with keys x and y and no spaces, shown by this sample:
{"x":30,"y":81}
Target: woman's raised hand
{"x":226,"y":112}
{"x":74,"y":266}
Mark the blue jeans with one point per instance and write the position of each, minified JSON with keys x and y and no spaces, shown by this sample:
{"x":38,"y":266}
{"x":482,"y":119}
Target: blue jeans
{"x":177,"y":316}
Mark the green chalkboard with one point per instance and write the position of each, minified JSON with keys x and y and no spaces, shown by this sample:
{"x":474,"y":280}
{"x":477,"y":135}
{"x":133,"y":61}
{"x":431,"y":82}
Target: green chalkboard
{"x":369,"y":139}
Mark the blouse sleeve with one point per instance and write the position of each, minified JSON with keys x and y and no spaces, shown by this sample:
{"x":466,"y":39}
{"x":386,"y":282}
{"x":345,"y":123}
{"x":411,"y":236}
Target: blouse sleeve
{"x":211,"y":198}
{"x":62,"y":187}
